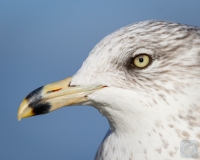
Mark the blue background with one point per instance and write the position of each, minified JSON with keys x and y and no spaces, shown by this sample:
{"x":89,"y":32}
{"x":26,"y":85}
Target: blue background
{"x":46,"y":41}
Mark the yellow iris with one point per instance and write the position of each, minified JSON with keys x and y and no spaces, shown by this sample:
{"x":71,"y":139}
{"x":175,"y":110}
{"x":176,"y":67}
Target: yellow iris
{"x":141,"y":61}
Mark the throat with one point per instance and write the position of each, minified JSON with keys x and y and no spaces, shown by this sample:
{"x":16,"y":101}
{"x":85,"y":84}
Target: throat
{"x":158,"y":138}
{"x":140,"y":145}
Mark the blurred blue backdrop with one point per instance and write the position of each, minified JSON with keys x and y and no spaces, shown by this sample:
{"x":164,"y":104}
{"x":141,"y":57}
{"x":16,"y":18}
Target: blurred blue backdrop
{"x":46,"y":41}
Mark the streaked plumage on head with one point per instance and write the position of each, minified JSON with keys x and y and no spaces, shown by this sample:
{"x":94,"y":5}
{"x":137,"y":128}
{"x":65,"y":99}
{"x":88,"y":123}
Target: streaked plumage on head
{"x":150,"y":110}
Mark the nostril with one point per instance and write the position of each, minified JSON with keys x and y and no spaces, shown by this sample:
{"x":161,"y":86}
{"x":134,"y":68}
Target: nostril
{"x":54,"y":90}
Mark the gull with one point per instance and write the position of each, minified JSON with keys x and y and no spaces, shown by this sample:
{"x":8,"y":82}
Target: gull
{"x":145,"y":79}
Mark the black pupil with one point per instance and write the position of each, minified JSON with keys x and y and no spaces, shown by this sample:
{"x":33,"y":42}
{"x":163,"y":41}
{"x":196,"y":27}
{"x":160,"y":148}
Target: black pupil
{"x":141,"y":59}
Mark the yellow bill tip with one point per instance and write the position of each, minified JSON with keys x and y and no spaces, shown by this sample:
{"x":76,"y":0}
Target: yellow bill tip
{"x":24,"y":111}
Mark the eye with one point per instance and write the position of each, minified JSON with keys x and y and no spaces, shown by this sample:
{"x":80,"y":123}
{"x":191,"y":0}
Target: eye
{"x":141,"y":61}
